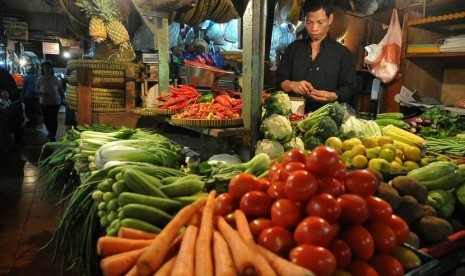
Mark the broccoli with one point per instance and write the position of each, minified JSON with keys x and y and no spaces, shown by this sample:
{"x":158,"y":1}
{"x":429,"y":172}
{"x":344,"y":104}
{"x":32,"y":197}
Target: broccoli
{"x":272,"y":148}
{"x":312,"y":142}
{"x":278,"y":103}
{"x":333,"y":110}
{"x":296,"y":142}
{"x":277,"y":127}
{"x":325,"y":128}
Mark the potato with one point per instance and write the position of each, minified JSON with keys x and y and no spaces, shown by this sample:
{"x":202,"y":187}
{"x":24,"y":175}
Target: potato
{"x":429,"y":210}
{"x":389,"y":194}
{"x":432,"y":229}
{"x":406,"y":185}
{"x":410,"y":210}
{"x":413,"y":240}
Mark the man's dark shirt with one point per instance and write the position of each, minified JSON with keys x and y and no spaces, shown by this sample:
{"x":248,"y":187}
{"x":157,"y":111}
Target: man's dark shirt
{"x":333,"y":69}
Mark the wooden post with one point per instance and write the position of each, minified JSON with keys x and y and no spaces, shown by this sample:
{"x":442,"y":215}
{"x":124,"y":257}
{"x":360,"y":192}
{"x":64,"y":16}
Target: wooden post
{"x":130,"y":89}
{"x":84,"y":90}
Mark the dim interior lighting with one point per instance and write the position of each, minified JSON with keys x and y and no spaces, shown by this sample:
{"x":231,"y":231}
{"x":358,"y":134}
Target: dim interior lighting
{"x":66,"y":55}
{"x":22,"y":62}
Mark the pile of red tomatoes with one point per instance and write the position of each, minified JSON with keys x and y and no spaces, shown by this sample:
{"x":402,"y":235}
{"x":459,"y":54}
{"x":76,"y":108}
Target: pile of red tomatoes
{"x":313,"y":212}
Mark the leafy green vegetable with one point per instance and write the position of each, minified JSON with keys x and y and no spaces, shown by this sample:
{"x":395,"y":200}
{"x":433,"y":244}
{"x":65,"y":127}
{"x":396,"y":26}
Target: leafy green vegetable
{"x":446,"y":123}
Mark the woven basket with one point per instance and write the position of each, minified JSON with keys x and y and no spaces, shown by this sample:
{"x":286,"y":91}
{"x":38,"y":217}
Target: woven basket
{"x":108,"y":82}
{"x":98,"y":107}
{"x":206,"y":122}
{"x":106,"y":72}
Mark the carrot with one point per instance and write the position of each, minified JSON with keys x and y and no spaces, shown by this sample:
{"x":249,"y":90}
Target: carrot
{"x":132,"y":272}
{"x":195,"y":220}
{"x":166,"y":268}
{"x":184,"y":265}
{"x":203,"y":253}
{"x":154,"y":254}
{"x":121,"y":263}
{"x":282,"y":266}
{"x":107,"y":246}
{"x":242,"y":225}
{"x":243,"y":256}
{"x":224,"y":265}
{"x":130,"y":233}
{"x":175,"y":245}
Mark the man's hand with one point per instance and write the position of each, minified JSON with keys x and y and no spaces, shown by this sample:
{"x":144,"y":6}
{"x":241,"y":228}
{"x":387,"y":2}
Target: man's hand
{"x":322,"y":96}
{"x":302,"y":87}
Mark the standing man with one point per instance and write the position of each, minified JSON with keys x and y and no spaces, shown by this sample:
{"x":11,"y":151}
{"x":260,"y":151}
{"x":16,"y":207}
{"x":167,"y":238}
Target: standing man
{"x":317,"y":67}
{"x":48,"y":88}
{"x":30,"y":99}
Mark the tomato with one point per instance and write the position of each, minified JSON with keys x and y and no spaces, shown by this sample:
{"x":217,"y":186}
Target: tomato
{"x":335,"y":229}
{"x":225,"y":204}
{"x":277,"y":239}
{"x":294,"y":155}
{"x":285,"y":213}
{"x":313,"y":230}
{"x":341,"y":172}
{"x":386,"y":265}
{"x":341,"y":251}
{"x":258,"y":225}
{"x":360,"y":242}
{"x":323,"y":161}
{"x":400,"y":228}
{"x":354,"y":209}
{"x":300,"y":186}
{"x":383,"y":236}
{"x":361,"y":182}
{"x":243,"y":183}
{"x":256,"y":204}
{"x":230,"y":220}
{"x":362,"y":268}
{"x":264,"y":184}
{"x":275,"y":172}
{"x":324,"y":206}
{"x":317,"y":259}
{"x":291,"y":167}
{"x":331,"y":186}
{"x":379,"y":209}
{"x":276,"y":190}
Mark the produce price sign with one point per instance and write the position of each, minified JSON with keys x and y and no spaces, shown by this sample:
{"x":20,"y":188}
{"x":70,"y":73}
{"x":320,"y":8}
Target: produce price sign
{"x":50,"y":48}
{"x":15,"y":29}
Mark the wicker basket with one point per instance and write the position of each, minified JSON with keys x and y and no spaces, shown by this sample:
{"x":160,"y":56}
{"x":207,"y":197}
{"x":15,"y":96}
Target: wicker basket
{"x":207,"y":123}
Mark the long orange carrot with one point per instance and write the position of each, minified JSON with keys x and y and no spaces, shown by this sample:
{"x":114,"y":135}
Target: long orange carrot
{"x":107,"y":246}
{"x":121,"y":263}
{"x":195,"y":220}
{"x":166,"y":268}
{"x":242,"y":225}
{"x":132,"y":272}
{"x":203,"y":253}
{"x":175,"y":245}
{"x":154,"y":254}
{"x":130,"y":233}
{"x":282,"y":266}
{"x":243,"y":255}
{"x":184,"y":265}
{"x":224,"y":264}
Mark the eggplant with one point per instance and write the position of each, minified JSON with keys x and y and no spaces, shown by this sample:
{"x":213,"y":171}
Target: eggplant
{"x":413,"y":121}
{"x":426,"y":122}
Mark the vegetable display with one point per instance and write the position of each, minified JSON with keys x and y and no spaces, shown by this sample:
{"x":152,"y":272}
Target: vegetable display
{"x":179,"y":97}
{"x":208,"y":111}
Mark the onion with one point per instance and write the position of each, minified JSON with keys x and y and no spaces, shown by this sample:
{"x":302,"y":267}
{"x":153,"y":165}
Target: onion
{"x":426,"y":122}
{"x":413,"y":130}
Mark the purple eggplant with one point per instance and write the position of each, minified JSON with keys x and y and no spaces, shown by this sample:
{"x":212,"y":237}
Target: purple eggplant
{"x":414,"y":121}
{"x":426,"y":122}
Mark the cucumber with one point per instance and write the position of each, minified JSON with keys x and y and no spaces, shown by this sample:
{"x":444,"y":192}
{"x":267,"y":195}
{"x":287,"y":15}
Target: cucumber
{"x":119,"y":186}
{"x":139,"y":225}
{"x":186,"y":200}
{"x":102,"y":206}
{"x":112,"y":205}
{"x":104,"y":222}
{"x":184,"y":187}
{"x":112,"y":216}
{"x":170,"y":179}
{"x":114,"y":171}
{"x":138,"y":183}
{"x":107,"y":196}
{"x":97,"y":195}
{"x":146,"y":213}
{"x":105,"y":185}
{"x":164,"y":204}
{"x":101,"y":213}
{"x":119,"y":176}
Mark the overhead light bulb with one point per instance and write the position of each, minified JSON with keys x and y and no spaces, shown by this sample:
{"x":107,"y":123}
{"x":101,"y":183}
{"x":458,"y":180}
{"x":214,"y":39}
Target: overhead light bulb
{"x":66,"y":55}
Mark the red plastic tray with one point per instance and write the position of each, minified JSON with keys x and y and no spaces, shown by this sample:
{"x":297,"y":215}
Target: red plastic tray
{"x":454,"y":242}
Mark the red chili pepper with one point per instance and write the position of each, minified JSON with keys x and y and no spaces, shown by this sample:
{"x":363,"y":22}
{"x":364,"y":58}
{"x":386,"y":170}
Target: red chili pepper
{"x":179,"y":106}
{"x":223,"y":100}
{"x":174,"y":101}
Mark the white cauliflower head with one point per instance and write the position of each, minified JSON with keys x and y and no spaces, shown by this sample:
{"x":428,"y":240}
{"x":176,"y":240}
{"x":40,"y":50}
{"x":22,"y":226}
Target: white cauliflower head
{"x":272,"y":148}
{"x":295,"y":142}
{"x":277,"y":127}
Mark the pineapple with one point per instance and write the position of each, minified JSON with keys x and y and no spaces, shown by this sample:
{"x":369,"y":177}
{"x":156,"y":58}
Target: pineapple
{"x":117,"y":32}
{"x":97,"y":29}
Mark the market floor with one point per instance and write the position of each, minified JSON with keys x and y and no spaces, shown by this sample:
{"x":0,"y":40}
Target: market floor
{"x":27,"y":220}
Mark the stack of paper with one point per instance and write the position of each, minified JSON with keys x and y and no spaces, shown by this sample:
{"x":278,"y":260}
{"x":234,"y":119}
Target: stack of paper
{"x":453,"y":44}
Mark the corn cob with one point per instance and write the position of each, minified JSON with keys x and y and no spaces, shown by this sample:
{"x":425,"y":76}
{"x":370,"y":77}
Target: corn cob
{"x":403,"y":136}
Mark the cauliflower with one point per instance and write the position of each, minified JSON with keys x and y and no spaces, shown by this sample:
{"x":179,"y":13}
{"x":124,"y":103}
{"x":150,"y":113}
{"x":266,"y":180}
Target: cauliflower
{"x":295,"y":142}
{"x":278,"y":103}
{"x":272,"y":148}
{"x":277,"y":127}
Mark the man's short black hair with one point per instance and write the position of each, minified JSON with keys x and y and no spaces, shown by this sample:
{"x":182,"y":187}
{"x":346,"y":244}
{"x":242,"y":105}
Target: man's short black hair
{"x":316,"y":5}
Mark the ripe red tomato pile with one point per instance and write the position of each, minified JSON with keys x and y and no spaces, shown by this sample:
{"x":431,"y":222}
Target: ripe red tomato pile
{"x":315,"y":214}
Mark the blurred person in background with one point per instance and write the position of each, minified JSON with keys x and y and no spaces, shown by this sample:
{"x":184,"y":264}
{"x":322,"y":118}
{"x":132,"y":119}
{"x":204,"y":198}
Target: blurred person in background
{"x":30,"y":99}
{"x":13,"y":114}
{"x":48,"y":88}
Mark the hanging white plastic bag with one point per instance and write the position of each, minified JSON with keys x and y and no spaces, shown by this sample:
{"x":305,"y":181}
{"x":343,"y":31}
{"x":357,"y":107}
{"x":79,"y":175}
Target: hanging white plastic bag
{"x":383,"y":59}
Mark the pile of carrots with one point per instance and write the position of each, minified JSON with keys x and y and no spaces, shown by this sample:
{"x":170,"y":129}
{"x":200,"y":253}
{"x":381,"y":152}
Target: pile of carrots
{"x":194,"y":242}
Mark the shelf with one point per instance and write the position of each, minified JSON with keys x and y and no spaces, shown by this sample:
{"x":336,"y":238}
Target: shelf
{"x":438,"y":7}
{"x":448,"y":24}
{"x":216,"y":132}
{"x":450,"y":60}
